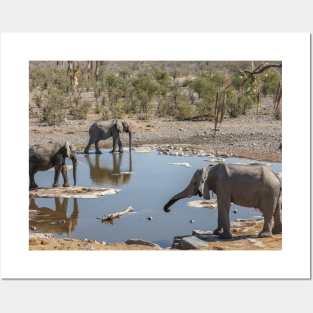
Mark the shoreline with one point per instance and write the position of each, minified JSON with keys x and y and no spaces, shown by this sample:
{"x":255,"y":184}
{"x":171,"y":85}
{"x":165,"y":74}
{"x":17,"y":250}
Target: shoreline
{"x":244,"y":238}
{"x":250,"y":137}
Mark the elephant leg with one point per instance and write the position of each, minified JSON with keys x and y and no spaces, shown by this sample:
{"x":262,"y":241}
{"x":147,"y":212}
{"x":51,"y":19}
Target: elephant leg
{"x":114,"y":145}
{"x":57,"y":170}
{"x":219,"y":229}
{"x":32,"y":184}
{"x":277,"y":229}
{"x":90,"y":142}
{"x":98,"y":151}
{"x":223,"y":202}
{"x":267,"y":207}
{"x":120,"y":146}
{"x":64,"y":174}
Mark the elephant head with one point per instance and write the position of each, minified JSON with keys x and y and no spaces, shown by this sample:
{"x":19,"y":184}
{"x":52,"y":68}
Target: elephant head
{"x":197,"y":186}
{"x":123,"y":126}
{"x":70,"y":153}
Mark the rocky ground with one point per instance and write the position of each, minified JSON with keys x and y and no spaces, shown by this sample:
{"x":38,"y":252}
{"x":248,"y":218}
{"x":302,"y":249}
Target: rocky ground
{"x":255,"y":137}
{"x":244,"y":238}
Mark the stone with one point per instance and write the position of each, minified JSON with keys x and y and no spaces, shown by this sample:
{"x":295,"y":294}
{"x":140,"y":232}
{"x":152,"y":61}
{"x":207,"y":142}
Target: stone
{"x":73,"y":192}
{"x":185,"y":164}
{"x":189,"y":243}
{"x":141,"y":242}
{"x":68,"y":239}
{"x":252,"y":240}
{"x":210,"y":204}
{"x":191,"y":221}
{"x":149,"y":218}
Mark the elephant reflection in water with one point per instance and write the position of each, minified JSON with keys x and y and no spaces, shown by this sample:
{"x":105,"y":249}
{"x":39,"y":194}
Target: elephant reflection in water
{"x":47,"y":220}
{"x":100,"y":173}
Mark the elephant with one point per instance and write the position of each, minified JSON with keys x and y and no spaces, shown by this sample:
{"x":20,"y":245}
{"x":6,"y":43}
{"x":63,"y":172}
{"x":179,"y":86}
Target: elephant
{"x":252,"y":185}
{"x":44,"y":157}
{"x":48,"y":220}
{"x":100,"y":174}
{"x":105,"y":129}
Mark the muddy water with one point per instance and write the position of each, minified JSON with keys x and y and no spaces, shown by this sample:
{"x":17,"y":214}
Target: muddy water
{"x":147,"y":181}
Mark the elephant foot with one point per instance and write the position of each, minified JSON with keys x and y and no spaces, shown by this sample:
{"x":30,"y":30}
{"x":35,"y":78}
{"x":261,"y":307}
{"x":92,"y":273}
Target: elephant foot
{"x":120,"y":151}
{"x":98,"y":152}
{"x":66,"y":185}
{"x":31,"y":187}
{"x":265,"y":234}
{"x":55,"y":185}
{"x":113,"y":151}
{"x":217,"y":231}
{"x":277,"y":230}
{"x":225,"y":235}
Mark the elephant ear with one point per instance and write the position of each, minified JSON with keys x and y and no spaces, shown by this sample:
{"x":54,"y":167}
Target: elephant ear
{"x":204,"y":186}
{"x":119,"y":126}
{"x":67,"y":149}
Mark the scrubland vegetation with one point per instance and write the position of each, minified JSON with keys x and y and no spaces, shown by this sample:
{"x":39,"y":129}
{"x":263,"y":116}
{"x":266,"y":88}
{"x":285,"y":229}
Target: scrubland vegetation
{"x":178,"y":90}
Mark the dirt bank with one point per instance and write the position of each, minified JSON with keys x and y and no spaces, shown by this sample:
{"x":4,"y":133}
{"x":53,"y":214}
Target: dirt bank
{"x":244,"y":238}
{"x":255,"y":137}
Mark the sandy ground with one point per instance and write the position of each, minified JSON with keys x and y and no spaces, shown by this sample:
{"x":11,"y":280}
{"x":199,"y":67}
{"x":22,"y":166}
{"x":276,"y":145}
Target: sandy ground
{"x":244,"y":238}
{"x":255,"y":137}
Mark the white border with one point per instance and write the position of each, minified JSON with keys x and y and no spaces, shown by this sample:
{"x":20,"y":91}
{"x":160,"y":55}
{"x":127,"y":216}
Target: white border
{"x":293,"y":261}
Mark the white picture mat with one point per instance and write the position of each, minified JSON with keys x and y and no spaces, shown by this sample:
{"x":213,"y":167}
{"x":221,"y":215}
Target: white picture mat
{"x":293,"y":261}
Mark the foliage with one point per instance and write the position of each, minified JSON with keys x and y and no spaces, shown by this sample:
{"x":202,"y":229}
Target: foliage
{"x":184,"y":109}
{"x":177,"y":89}
{"x":80,"y":110}
{"x":54,"y":111}
{"x":270,"y":82}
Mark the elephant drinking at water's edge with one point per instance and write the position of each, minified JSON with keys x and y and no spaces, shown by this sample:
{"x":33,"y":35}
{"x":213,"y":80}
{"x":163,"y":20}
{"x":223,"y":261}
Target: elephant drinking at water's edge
{"x":255,"y":186}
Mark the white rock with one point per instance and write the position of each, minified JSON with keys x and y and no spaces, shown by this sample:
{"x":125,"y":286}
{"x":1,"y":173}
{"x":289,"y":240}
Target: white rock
{"x":185,"y":164}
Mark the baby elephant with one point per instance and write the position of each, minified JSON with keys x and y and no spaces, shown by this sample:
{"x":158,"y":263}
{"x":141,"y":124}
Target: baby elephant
{"x":255,"y":186}
{"x":44,"y":157}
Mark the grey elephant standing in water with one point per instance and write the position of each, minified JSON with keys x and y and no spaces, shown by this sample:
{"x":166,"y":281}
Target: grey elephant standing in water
{"x":44,"y":157}
{"x":255,"y":186}
{"x":107,"y":129}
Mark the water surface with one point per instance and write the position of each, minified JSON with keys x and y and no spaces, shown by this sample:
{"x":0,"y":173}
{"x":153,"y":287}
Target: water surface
{"x":147,"y":181}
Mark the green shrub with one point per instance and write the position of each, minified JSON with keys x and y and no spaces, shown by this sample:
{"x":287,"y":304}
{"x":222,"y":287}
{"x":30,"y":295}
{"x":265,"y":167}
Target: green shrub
{"x":184,"y":109}
{"x":118,"y":109}
{"x":80,"y":110}
{"x":105,"y":113}
{"x":54,"y":111}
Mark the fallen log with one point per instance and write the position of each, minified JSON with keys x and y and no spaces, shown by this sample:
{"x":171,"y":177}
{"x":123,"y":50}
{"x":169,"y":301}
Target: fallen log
{"x":72,"y":192}
{"x":112,"y":216}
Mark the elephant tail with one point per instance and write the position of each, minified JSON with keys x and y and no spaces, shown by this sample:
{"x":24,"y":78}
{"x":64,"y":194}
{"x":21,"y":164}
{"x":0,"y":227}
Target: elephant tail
{"x":279,"y":201}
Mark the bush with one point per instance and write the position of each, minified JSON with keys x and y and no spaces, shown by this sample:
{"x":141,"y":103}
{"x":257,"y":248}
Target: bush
{"x":80,"y":110}
{"x":205,"y":107}
{"x":105,"y":113}
{"x":54,"y":112}
{"x":184,"y":109}
{"x":118,"y":109}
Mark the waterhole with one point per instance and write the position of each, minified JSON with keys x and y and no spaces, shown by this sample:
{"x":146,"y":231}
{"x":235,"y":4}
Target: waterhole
{"x":147,"y":181}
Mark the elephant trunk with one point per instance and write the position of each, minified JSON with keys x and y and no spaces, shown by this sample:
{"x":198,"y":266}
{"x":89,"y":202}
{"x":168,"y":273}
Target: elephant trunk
{"x":186,"y":193}
{"x":74,"y":161}
{"x":130,"y":140}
